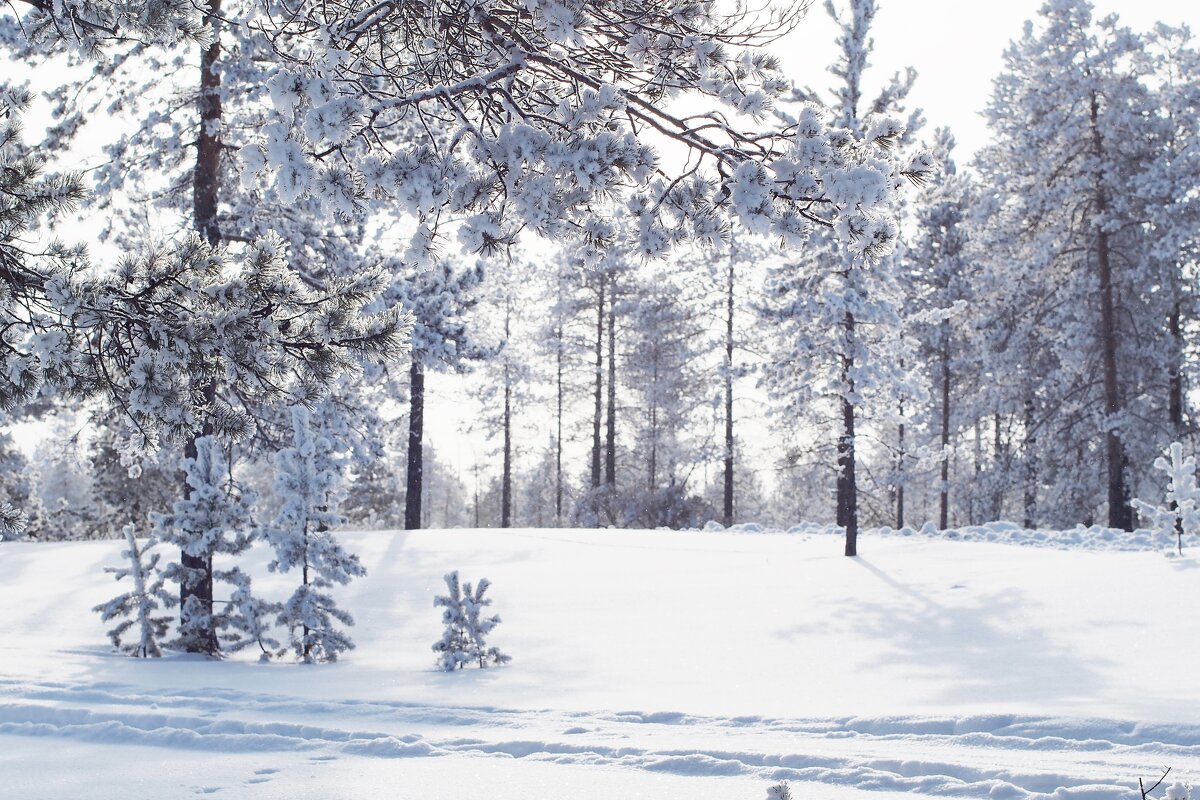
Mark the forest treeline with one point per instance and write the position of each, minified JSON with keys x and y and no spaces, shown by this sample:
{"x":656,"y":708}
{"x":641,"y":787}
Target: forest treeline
{"x":1015,"y":341}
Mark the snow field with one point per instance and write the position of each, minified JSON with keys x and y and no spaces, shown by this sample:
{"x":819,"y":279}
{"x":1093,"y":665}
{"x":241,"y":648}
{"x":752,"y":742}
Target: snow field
{"x":653,"y":664}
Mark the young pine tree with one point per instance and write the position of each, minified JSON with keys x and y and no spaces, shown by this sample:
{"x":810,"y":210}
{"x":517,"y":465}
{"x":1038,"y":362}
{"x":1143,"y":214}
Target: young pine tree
{"x":465,"y":637}
{"x":307,"y":480}
{"x":1181,"y":514}
{"x":214,"y":519}
{"x":138,"y":606}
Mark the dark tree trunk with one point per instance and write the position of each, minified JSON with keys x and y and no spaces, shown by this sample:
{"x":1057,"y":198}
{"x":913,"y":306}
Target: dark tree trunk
{"x":847,"y":482}
{"x":198,"y":569}
{"x":598,"y":410}
{"x":506,"y":476}
{"x":414,"y":481}
{"x":1175,"y":372}
{"x":727,"y":506}
{"x":206,"y":186}
{"x":1001,"y":464}
{"x":610,"y":439}
{"x":206,"y":182}
{"x":1120,"y":512}
{"x":558,"y":446}
{"x":944,"y":488}
{"x":1030,"y":499}
{"x":900,"y":475}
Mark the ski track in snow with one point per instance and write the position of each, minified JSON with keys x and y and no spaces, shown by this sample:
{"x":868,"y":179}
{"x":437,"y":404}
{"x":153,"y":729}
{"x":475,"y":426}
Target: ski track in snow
{"x":996,"y":756}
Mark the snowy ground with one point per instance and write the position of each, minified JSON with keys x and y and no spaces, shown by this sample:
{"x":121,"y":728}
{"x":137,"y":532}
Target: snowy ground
{"x":646,"y":664}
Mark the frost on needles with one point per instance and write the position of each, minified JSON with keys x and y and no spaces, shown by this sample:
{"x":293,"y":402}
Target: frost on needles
{"x":138,"y":606}
{"x":308,"y":478}
{"x":465,"y":639}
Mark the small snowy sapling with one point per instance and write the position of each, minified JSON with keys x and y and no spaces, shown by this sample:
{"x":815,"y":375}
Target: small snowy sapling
{"x":247,"y":618}
{"x":307,"y":480}
{"x":465,"y":638}
{"x":780,"y":791}
{"x":213,"y":519}
{"x":139,"y":604}
{"x":1182,"y":511}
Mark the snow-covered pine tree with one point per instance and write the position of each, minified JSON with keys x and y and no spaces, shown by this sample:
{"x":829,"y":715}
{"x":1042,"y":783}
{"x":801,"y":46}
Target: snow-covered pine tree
{"x":837,"y":307}
{"x":248,"y":619}
{"x":464,"y":640}
{"x":582,"y":81}
{"x":308,"y":481}
{"x":138,"y":606}
{"x":1070,"y":296}
{"x":214,"y":519}
{"x":941,"y":293}
{"x":437,"y":299}
{"x":1181,"y":514}
{"x":668,"y":395}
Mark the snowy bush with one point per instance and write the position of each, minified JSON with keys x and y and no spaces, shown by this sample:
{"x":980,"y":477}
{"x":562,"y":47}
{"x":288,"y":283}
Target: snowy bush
{"x":464,"y":640}
{"x":139,"y":604}
{"x":1181,"y":514}
{"x":780,"y":791}
{"x":307,"y":480}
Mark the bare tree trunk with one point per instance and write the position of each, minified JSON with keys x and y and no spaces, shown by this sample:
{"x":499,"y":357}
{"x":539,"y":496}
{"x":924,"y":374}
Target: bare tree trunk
{"x":1175,"y":372}
{"x":847,"y":483}
{"x":1001,"y":460}
{"x":610,"y":442}
{"x":1030,"y":498}
{"x":206,"y":181}
{"x":976,"y":499}
{"x":414,"y":481}
{"x":652,"y":475}
{"x":900,"y":475}
{"x":598,"y":410}
{"x":206,"y":186}
{"x":727,"y":506}
{"x":1120,"y":512}
{"x":558,"y":445}
{"x":944,"y":488}
{"x":506,"y":473}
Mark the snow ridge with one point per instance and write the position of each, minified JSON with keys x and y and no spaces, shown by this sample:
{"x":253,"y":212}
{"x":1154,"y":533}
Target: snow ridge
{"x":851,"y":752}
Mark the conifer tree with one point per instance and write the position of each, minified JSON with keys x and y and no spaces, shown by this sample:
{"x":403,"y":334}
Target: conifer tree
{"x":837,"y":308}
{"x":139,"y":604}
{"x":308,"y":482}
{"x":464,"y":641}
{"x":1066,"y":263}
{"x":212,"y":520}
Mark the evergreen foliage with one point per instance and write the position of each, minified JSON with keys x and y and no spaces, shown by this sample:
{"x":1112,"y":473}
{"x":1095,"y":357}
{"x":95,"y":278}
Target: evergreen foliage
{"x":212,"y":520}
{"x":464,"y":640}
{"x":1181,"y":514}
{"x":307,"y":481}
{"x":138,"y":606}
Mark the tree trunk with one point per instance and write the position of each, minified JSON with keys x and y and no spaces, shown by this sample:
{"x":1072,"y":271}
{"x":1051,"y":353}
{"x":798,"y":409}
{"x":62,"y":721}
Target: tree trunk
{"x":1175,"y":373}
{"x":847,"y":482}
{"x":206,"y":185}
{"x":558,"y":446}
{"x":414,"y":481}
{"x":727,"y":506}
{"x":610,"y":442}
{"x":900,"y":475}
{"x":944,"y":488}
{"x":206,"y":181}
{"x":1120,"y":512}
{"x":1030,"y":498}
{"x":598,"y":410}
{"x":506,"y":475}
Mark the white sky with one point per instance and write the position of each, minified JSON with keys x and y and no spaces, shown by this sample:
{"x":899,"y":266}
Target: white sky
{"x":956,"y":47}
